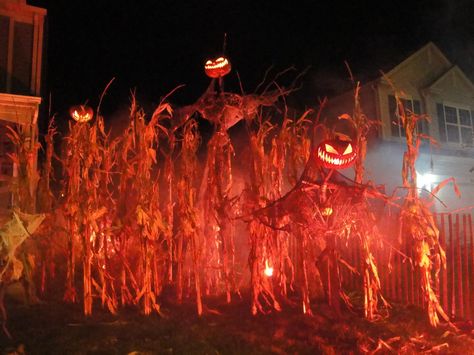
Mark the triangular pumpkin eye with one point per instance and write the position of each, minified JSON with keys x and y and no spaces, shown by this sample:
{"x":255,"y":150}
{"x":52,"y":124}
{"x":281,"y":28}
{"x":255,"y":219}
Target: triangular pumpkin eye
{"x":330,"y":149}
{"x":348,"y":149}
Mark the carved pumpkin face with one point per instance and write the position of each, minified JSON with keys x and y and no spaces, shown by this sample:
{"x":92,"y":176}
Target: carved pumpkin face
{"x":81,"y":113}
{"x":336,"y":154}
{"x":217,"y":68}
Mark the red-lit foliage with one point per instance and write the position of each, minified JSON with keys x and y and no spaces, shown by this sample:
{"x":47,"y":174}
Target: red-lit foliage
{"x":142,"y":212}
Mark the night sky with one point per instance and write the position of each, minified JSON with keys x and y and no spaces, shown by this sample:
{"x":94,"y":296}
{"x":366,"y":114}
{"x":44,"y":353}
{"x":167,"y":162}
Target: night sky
{"x":152,"y":47}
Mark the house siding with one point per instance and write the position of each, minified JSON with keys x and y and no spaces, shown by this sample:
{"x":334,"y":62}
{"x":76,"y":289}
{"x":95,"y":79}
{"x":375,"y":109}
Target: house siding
{"x":429,"y":77}
{"x":21,"y":47}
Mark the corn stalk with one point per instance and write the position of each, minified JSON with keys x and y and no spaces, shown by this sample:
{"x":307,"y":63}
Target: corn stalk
{"x":417,"y":222}
{"x":189,"y":238}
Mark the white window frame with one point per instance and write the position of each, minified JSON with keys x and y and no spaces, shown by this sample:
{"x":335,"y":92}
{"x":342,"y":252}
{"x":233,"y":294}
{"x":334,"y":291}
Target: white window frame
{"x":457,"y":107}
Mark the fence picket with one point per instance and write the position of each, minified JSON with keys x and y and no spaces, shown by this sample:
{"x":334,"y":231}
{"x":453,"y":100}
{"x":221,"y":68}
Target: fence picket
{"x":467,"y":306}
{"x":471,"y":298}
{"x":451,"y":268}
{"x":458,"y":262}
{"x":444,"y":272}
{"x":454,"y":288}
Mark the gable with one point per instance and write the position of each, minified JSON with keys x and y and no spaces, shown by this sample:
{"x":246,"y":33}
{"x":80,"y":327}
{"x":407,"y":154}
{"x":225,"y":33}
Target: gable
{"x":453,"y":82}
{"x":420,"y":69}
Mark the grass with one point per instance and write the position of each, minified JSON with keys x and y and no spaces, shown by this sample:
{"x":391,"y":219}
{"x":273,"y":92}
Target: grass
{"x":58,"y":328}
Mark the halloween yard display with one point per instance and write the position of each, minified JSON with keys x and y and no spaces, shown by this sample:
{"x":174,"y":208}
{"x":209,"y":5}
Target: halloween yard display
{"x":150,"y":211}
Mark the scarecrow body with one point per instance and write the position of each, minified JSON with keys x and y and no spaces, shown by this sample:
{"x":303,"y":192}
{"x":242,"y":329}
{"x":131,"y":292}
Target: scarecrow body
{"x":326,"y":208}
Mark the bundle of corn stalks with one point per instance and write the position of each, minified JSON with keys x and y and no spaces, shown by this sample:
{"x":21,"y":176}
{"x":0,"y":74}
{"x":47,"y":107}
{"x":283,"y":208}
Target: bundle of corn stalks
{"x":189,"y":240}
{"x":219,"y":214}
{"x":277,"y":226}
{"x":143,"y":229}
{"x":51,"y":230}
{"x":263,"y":253}
{"x":25,"y":182}
{"x":416,"y":220}
{"x":83,"y":208}
{"x":365,"y":228}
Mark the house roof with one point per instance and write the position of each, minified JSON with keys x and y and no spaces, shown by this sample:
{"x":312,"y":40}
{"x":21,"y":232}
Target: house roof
{"x":390,"y":61}
{"x":430,"y":46}
{"x":381,"y":59}
{"x":453,"y":70}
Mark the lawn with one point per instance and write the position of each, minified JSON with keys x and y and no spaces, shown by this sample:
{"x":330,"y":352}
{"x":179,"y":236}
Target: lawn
{"x":58,"y":328}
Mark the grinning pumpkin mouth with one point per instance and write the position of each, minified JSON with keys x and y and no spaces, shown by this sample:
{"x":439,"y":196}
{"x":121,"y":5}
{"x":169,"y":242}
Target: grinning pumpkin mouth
{"x":330,"y":159}
{"x":81,"y":113}
{"x":79,"y":117}
{"x":217,"y":64}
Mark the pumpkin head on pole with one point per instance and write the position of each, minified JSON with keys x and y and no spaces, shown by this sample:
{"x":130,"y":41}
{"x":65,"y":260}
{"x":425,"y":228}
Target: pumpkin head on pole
{"x":217,"y":68}
{"x":81,"y":113}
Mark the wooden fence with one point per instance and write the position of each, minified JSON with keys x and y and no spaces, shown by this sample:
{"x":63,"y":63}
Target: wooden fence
{"x":400,"y":277}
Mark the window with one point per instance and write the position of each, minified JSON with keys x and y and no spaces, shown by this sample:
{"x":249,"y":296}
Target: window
{"x":455,"y":124}
{"x":20,"y":44}
{"x":410,"y":106}
{"x":4,"y":23}
{"x":22,"y":58}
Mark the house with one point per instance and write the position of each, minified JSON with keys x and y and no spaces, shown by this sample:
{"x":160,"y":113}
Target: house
{"x":21,"y":58}
{"x":429,"y":84}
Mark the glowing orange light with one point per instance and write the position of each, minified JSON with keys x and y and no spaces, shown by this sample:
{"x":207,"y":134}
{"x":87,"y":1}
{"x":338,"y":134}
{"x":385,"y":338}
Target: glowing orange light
{"x":81,"y":113}
{"x":336,"y":154}
{"x":217,"y":68}
{"x":268,"y":269}
{"x":327,"y":211}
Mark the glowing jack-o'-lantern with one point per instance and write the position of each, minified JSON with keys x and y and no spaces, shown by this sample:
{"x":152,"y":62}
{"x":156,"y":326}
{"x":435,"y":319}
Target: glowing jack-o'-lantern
{"x":81,"y":113}
{"x":336,"y":154}
{"x":217,"y":68}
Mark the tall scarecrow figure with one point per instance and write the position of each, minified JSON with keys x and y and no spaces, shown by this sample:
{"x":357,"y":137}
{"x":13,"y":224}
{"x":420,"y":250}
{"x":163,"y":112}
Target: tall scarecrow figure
{"x":324,"y":207}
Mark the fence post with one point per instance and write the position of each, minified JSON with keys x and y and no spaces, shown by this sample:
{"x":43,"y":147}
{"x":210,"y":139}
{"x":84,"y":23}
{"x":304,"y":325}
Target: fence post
{"x":472,"y":267}
{"x":451,"y":267}
{"x":467,"y":309}
{"x":460,"y":302}
{"x":443,"y":292}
